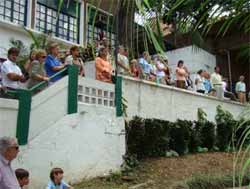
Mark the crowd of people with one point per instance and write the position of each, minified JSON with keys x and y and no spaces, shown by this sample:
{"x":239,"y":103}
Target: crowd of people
{"x":42,"y":65}
{"x":19,"y":178}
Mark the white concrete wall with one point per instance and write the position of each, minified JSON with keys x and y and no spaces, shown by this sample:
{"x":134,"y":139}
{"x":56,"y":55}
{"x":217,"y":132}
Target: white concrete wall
{"x":194,"y":58}
{"x":48,"y":107}
{"x":96,"y":92}
{"x":8,"y":117}
{"x":149,"y":100}
{"x":90,"y":143}
{"x":8,"y":31}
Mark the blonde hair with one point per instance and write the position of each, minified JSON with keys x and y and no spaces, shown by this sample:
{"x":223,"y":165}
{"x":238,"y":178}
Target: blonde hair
{"x":40,"y":53}
{"x":52,"y":46}
{"x":133,"y":61}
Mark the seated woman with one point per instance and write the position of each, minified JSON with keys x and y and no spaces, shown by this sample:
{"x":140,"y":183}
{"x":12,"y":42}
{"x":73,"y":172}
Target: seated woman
{"x":37,"y":71}
{"x":103,"y":67}
{"x":74,"y":58}
{"x":52,"y":63}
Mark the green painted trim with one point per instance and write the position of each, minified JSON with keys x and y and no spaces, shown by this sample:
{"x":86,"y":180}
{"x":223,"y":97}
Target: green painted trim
{"x":72,"y":89}
{"x":118,"y":96}
{"x":23,"y":117}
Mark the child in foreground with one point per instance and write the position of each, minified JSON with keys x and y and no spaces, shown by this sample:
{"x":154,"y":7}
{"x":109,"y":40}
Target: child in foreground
{"x":56,"y":180}
{"x":22,"y":176}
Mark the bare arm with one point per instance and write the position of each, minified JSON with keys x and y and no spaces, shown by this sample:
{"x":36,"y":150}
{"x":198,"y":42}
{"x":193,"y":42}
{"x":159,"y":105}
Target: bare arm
{"x":15,"y":77}
{"x":57,"y":68}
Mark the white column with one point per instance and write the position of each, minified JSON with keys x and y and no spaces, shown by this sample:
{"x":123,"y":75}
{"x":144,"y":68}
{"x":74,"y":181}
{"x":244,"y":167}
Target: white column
{"x":81,"y":27}
{"x":29,"y":13}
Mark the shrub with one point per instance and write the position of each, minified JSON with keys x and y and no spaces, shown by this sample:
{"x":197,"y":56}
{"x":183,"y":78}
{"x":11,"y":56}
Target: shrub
{"x":135,"y":137}
{"x":225,"y":127}
{"x":180,"y":136}
{"x":208,"y":138}
{"x":156,"y":139}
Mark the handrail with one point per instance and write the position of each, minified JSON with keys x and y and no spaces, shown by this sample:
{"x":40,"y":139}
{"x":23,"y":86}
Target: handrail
{"x":40,"y":84}
{"x":24,"y":97}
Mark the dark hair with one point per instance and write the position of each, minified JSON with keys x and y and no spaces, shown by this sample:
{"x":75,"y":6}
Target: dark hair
{"x":13,"y":50}
{"x":21,"y":173}
{"x":101,"y":50}
{"x":180,"y":62}
{"x":199,"y":72}
{"x":216,"y":67}
{"x":73,"y":48}
{"x":55,"y":171}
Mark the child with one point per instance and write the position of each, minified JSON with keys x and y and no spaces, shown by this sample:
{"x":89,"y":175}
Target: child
{"x":56,"y":180}
{"x":22,"y":176}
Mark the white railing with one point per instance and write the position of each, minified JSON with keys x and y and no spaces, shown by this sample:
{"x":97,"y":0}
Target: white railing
{"x":96,"y":93}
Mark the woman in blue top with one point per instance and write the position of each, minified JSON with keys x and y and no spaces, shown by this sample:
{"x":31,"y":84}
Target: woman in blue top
{"x":56,"y":180}
{"x":52,"y":64}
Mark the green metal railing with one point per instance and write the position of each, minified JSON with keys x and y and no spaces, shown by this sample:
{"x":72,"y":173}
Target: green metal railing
{"x":24,"y":97}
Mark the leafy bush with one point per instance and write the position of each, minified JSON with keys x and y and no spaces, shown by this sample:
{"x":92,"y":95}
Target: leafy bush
{"x":180,"y":136}
{"x":154,"y":137}
{"x":225,"y":127}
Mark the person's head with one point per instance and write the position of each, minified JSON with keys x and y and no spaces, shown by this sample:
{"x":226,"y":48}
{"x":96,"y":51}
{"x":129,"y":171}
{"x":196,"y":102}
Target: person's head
{"x":121,"y":50}
{"x":103,"y":52}
{"x":13,"y":53}
{"x":133,"y":62}
{"x":53,"y":49}
{"x":242,"y":78}
{"x":200,"y":72}
{"x":105,"y":42}
{"x":22,"y":176}
{"x":56,"y":175}
{"x":217,"y":69}
{"x":180,"y":64}
{"x":145,"y":55}
{"x":32,"y":55}
{"x":206,"y":75}
{"x":9,"y":148}
{"x":41,"y":55}
{"x":74,"y":51}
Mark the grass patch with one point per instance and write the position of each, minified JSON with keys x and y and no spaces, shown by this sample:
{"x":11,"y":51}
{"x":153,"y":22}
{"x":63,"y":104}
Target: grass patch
{"x":212,"y":182}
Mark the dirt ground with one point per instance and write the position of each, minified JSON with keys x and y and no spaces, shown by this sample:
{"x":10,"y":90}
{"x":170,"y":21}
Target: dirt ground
{"x":162,"y":173}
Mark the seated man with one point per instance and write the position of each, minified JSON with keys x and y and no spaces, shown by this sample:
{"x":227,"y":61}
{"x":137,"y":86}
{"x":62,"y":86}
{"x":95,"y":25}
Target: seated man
{"x":52,"y":63}
{"x":11,"y":74}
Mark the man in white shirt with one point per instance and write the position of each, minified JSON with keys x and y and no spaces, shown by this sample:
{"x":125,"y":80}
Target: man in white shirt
{"x":216,"y":81}
{"x":10,"y":72}
{"x":123,"y":63}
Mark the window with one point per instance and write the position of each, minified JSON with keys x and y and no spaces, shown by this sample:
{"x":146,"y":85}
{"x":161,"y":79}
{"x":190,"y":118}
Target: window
{"x":103,"y":25}
{"x":64,"y":25}
{"x":14,"y":11}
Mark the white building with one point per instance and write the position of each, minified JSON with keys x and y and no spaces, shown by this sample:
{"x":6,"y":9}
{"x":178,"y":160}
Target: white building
{"x":73,"y":25}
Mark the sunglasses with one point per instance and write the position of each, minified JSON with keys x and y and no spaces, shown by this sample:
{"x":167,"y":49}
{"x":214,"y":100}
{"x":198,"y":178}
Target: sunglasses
{"x":43,"y":56}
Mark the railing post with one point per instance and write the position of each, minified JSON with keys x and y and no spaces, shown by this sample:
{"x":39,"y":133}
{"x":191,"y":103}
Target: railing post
{"x":118,"y":96}
{"x":72,"y":89}
{"x":23,"y":117}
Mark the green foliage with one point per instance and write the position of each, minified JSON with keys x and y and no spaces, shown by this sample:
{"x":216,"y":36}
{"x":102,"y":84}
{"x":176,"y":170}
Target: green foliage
{"x":225,"y":127}
{"x":180,"y":136}
{"x":155,"y":138}
{"x":212,"y":182}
